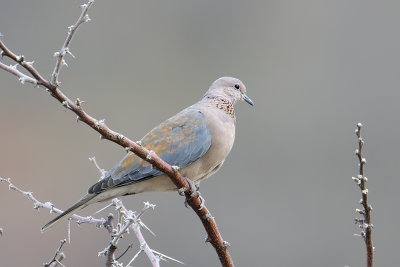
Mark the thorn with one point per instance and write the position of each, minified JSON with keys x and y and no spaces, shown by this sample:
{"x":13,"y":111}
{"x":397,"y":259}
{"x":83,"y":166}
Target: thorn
{"x":30,"y":63}
{"x":65,"y":104}
{"x":71,"y":28}
{"x":86,"y":18}
{"x":365,"y":191}
{"x":366,"y":225}
{"x":357,"y":180}
{"x":56,"y":54}
{"x":139,"y":143}
{"x":20,"y":58}
{"x":359,"y":211}
{"x":358,"y":220}
{"x":97,"y":124}
{"x":359,"y":125}
{"x":109,"y":205}
{"x":164,"y":257}
{"x":64,"y":63}
{"x":102,"y":137}
{"x":148,"y":205}
{"x":207,"y":216}
{"x":226,"y":244}
{"x":22,"y":80}
{"x":68,"y":52}
{"x":207,"y":240}
{"x":175,"y":168}
{"x":79,"y":102}
{"x":363,"y":160}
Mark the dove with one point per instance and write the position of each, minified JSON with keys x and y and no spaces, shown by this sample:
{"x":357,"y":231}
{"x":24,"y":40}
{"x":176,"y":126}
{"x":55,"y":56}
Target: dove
{"x":197,"y":140}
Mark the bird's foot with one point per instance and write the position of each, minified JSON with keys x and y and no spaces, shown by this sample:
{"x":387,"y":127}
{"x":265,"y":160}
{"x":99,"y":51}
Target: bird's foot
{"x":194,"y":191}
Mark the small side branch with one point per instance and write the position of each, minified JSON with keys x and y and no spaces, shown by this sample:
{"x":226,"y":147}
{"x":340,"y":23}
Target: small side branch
{"x":23,"y":78}
{"x":48,"y":205}
{"x":58,"y":256}
{"x":84,"y":17}
{"x":365,"y":222}
{"x":130,"y":220}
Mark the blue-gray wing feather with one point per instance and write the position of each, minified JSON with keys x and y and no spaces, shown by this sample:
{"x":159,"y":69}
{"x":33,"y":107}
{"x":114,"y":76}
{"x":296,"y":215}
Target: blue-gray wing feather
{"x":179,"y":141}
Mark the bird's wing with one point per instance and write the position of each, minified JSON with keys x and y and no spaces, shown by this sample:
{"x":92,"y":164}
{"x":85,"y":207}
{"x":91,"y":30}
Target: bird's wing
{"x":179,"y":141}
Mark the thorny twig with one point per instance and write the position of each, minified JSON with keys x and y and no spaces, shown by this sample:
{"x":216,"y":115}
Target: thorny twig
{"x":193,"y":200}
{"x":48,"y":205}
{"x":128,"y":219}
{"x":131,"y":220}
{"x":364,"y":223}
{"x":84,"y":17}
{"x":102,"y":171}
{"x":23,"y":78}
{"x":55,"y":261}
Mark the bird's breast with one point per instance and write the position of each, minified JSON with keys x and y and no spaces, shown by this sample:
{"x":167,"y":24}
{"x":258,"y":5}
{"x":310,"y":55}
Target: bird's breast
{"x":222,"y":130}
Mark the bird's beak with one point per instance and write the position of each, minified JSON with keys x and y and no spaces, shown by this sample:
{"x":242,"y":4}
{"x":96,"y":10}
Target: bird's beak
{"x":248,"y":99}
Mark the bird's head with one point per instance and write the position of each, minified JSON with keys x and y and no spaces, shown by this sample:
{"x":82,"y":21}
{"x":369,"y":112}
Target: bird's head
{"x":229,"y":88}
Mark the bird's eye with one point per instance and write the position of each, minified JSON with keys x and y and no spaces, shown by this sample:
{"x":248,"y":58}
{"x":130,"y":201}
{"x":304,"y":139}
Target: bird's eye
{"x":237,"y":86}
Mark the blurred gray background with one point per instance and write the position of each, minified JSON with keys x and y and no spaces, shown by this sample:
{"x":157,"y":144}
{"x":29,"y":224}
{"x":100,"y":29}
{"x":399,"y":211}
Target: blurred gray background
{"x":284,"y":197}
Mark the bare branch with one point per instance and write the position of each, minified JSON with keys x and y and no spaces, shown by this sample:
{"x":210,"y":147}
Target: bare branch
{"x":102,"y":171}
{"x":23,"y":78}
{"x":27,"y":65}
{"x":48,"y":205}
{"x":364,"y":223}
{"x":57,"y":261}
{"x":131,"y":221}
{"x":84,"y":17}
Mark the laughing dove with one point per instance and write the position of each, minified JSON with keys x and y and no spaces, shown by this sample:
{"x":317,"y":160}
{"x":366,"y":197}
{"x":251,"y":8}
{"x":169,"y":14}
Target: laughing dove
{"x":197,"y":140}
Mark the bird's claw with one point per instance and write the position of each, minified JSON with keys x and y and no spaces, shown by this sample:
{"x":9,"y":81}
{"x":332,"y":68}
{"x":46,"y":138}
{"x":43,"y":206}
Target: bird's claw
{"x":194,"y":191}
{"x":202,"y":201}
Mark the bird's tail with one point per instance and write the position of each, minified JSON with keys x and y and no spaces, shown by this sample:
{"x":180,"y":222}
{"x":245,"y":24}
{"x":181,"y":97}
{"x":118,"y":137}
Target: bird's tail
{"x":66,"y":214}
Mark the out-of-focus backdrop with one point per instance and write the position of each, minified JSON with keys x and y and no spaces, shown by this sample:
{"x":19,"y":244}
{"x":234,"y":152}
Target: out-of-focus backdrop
{"x":284,"y":197}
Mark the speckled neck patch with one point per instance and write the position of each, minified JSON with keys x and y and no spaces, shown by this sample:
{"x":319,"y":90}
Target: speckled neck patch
{"x":223,"y":105}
